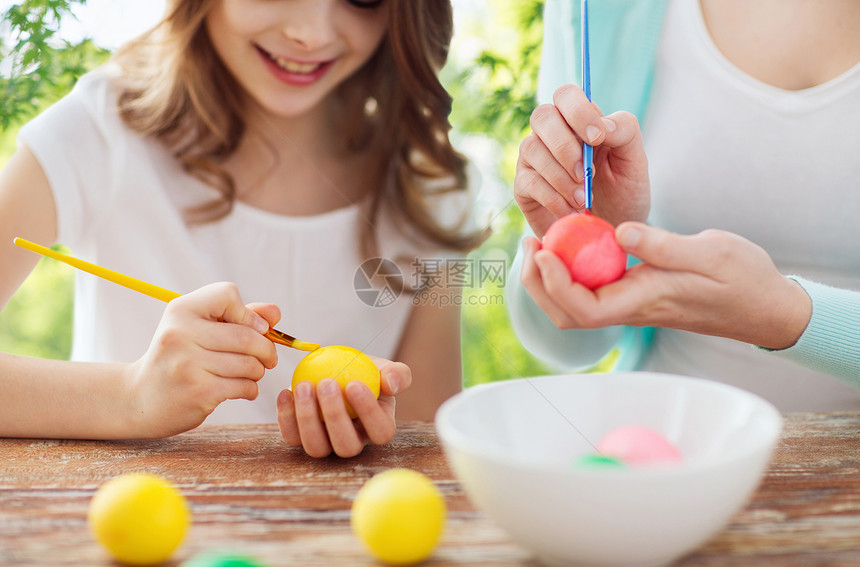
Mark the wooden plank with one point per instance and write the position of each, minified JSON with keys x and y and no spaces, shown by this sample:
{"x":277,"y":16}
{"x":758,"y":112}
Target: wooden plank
{"x":250,"y":492}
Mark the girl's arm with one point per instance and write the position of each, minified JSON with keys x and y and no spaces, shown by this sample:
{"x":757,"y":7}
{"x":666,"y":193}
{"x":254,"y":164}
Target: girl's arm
{"x":431,"y":348}
{"x":209,"y":346}
{"x":27,"y":210}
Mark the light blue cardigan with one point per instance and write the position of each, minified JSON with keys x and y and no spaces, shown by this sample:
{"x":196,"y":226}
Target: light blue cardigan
{"x":624,"y":35}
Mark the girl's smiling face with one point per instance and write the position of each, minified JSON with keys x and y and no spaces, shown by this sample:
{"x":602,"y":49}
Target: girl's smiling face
{"x":289,"y":55}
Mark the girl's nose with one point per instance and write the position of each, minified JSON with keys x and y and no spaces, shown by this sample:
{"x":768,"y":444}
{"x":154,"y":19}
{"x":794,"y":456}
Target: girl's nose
{"x":311,"y":24}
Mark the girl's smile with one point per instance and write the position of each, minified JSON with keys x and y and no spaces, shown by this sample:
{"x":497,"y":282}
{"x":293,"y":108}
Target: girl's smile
{"x":289,"y":56}
{"x":294,"y":72}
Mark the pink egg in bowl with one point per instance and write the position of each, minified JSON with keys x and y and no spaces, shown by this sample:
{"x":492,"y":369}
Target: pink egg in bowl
{"x":515,"y":445}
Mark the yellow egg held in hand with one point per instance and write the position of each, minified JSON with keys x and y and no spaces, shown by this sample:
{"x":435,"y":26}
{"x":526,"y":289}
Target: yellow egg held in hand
{"x":341,"y":363}
{"x":139,"y":518}
{"x":399,"y":514}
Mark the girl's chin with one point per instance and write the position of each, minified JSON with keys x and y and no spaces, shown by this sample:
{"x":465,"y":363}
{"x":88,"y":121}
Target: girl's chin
{"x":290,"y":109}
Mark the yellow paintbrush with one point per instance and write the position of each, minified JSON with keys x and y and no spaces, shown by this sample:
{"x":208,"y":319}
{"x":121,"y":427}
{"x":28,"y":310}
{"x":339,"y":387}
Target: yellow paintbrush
{"x":145,"y":288}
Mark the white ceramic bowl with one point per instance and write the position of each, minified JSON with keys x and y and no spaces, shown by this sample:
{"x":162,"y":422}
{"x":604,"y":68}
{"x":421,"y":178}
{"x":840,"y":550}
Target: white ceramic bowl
{"x":513,"y":444}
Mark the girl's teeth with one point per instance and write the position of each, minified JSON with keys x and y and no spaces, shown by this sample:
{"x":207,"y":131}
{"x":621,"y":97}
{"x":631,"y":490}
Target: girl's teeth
{"x":294,"y":67}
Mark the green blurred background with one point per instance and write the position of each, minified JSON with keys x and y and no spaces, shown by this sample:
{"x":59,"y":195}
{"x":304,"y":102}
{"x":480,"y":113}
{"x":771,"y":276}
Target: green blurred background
{"x":492,"y":75}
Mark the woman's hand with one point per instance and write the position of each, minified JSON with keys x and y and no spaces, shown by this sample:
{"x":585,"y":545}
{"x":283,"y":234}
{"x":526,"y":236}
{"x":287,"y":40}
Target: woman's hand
{"x":299,"y":413}
{"x":549,"y":180}
{"x":208,"y":348}
{"x":713,"y":283}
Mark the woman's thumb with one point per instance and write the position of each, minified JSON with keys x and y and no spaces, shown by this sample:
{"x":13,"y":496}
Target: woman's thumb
{"x":659,"y":248}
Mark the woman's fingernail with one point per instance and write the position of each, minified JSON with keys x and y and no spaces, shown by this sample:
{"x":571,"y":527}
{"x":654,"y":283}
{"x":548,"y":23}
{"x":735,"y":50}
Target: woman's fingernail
{"x":592,"y":133}
{"x":283,"y":397}
{"x":578,"y":172}
{"x":608,"y":124}
{"x":328,"y":387}
{"x":629,"y":236}
{"x":579,"y":197}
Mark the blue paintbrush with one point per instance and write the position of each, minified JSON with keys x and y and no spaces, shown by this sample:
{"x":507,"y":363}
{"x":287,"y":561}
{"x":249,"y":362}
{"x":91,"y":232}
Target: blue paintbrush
{"x":587,"y":150}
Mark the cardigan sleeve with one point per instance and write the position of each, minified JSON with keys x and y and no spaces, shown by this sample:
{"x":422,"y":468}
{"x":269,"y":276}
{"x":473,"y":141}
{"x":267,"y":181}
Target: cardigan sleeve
{"x":831,"y":341}
{"x":624,"y":36}
{"x":570,"y":349}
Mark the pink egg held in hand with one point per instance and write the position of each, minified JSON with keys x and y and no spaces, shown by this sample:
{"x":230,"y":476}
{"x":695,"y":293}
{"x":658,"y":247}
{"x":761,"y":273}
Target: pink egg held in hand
{"x":636,"y":445}
{"x":587,"y":246}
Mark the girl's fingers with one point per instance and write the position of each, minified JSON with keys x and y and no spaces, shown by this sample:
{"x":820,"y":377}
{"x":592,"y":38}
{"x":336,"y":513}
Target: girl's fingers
{"x":376,"y":416}
{"x":287,"y":419}
{"x":231,"y":365}
{"x":311,"y":429}
{"x":556,"y":138}
{"x":233,"y":338}
{"x":394,"y":377}
{"x":341,"y":432}
{"x":268,"y":311}
{"x":235,"y":389}
{"x":222,"y":302}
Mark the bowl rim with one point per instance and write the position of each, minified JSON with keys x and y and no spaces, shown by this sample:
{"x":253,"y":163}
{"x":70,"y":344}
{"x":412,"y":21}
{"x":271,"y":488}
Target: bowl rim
{"x":453,"y":438}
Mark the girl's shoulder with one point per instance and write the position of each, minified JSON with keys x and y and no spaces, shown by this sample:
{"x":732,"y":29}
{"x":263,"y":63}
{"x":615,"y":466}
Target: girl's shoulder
{"x":88,"y":113}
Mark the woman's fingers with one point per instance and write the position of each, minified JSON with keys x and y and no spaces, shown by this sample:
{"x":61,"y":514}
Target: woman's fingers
{"x":532,"y":280}
{"x":540,"y":178}
{"x":559,"y":142}
{"x":580,"y":114}
{"x":705,"y":253}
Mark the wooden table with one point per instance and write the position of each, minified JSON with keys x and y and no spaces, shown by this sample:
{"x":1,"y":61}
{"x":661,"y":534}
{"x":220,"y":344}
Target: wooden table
{"x":250,"y":492}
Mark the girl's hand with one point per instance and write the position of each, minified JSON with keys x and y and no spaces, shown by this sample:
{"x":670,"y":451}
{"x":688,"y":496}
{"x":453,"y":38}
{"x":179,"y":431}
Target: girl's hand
{"x":301,"y":425}
{"x":549,"y":180}
{"x":713,"y":283}
{"x":209,"y":347}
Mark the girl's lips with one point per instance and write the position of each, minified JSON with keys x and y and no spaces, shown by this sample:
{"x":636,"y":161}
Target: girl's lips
{"x":294,"y":72}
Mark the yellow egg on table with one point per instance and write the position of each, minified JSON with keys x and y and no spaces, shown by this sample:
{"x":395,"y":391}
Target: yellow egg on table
{"x":139,"y":518}
{"x":341,"y":363}
{"x":399,"y":514}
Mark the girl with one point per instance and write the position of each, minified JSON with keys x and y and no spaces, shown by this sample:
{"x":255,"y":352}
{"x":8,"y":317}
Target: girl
{"x":274,"y":145}
{"x":749,"y":116}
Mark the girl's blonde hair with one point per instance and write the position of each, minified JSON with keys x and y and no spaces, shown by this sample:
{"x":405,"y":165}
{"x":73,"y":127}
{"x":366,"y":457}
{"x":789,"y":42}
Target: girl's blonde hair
{"x":176,"y":89}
